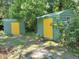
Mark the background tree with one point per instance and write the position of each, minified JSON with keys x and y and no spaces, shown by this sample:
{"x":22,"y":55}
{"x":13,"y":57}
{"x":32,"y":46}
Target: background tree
{"x":4,"y":6}
{"x":28,"y":10}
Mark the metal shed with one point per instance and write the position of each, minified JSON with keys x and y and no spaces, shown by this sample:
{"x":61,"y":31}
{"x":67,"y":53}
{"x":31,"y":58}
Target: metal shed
{"x":14,"y":26}
{"x":46,"y":24}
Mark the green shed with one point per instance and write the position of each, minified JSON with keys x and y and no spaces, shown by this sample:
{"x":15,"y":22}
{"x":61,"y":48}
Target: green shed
{"x":13,"y":26}
{"x":46,"y":24}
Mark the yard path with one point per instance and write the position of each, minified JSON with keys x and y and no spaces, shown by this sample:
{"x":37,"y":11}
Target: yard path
{"x":34,"y":47}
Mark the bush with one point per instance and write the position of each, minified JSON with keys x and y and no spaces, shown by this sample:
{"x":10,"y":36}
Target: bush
{"x":72,"y":32}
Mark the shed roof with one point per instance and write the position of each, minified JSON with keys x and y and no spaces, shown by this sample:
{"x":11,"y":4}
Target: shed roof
{"x":67,"y":12}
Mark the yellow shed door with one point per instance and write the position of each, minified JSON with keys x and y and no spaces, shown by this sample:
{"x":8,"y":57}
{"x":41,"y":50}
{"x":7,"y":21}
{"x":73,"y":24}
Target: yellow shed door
{"x":48,"y":28}
{"x":15,"y":28}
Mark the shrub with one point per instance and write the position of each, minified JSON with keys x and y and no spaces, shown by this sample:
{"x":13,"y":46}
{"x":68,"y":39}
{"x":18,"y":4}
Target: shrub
{"x":72,"y":32}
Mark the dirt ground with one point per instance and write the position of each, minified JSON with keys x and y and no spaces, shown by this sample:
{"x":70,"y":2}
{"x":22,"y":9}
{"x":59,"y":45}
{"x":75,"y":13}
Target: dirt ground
{"x":2,"y":56}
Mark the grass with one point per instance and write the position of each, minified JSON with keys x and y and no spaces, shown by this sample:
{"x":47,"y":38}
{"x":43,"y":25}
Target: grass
{"x":74,"y":50}
{"x":30,"y":34}
{"x":20,"y":41}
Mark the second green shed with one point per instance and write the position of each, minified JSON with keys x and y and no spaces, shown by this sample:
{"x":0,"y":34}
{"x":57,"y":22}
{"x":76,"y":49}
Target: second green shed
{"x":13,"y":26}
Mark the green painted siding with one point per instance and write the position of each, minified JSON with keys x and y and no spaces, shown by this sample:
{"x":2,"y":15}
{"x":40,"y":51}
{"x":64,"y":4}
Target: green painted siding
{"x":7,"y":26}
{"x":40,"y":27}
{"x":22,"y":27}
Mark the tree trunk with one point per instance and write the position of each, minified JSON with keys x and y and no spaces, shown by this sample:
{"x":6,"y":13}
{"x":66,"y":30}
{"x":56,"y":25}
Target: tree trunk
{"x":60,"y":5}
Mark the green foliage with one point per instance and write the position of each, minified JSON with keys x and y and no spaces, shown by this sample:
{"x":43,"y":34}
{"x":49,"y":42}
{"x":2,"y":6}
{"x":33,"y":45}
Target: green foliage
{"x":4,"y":5}
{"x":72,"y":32}
{"x":28,"y":10}
{"x":67,"y":4}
